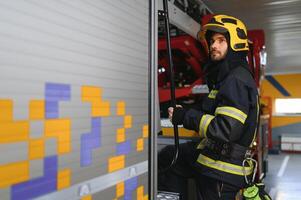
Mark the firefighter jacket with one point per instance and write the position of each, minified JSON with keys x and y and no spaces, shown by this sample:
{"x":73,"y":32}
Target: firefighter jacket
{"x":226,"y":124}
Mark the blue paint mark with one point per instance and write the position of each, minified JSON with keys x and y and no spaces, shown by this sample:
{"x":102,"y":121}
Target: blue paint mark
{"x":130,"y":186}
{"x":52,"y":109}
{"x":55,"y":92}
{"x":124,"y":148}
{"x":278,"y":86}
{"x":90,"y":141}
{"x":38,"y":186}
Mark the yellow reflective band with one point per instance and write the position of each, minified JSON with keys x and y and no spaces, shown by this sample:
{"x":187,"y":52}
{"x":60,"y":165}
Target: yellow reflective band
{"x":204,"y":123}
{"x":232,"y":112}
{"x":202,"y":144}
{"x":212,"y":94}
{"x":224,"y":166}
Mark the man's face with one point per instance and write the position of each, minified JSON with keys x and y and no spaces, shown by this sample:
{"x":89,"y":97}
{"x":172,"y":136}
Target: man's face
{"x":218,"y":47}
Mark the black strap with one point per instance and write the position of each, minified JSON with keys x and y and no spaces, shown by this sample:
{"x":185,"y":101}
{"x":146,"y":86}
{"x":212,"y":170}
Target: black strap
{"x":227,"y":150}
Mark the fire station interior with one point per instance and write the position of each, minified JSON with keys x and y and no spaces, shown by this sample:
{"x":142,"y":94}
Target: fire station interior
{"x":274,"y":33}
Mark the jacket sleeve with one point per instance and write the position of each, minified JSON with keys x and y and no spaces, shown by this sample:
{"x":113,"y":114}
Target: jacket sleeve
{"x":227,"y":122}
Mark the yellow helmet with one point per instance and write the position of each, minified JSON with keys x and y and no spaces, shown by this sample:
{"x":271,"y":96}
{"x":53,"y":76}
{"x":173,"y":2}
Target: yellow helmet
{"x":236,"y":29}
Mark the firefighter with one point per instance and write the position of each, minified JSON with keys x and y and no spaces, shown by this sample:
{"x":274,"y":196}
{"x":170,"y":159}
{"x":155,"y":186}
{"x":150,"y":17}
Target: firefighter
{"x":226,"y":122}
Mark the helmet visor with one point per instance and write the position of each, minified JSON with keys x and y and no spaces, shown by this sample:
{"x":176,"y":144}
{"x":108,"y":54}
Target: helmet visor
{"x":216,"y":28}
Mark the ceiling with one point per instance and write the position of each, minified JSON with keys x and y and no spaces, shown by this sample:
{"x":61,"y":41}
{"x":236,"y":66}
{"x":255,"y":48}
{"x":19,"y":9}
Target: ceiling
{"x":281,"y":22}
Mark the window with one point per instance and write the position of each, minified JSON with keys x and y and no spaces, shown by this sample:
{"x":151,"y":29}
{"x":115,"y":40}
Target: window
{"x":288,"y":106}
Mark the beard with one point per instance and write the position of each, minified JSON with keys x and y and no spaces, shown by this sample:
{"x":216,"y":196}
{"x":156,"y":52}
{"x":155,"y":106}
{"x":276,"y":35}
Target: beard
{"x":217,"y":55}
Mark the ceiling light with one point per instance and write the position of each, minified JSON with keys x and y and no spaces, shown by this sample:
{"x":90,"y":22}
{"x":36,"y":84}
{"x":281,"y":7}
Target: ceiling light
{"x":280,"y":2}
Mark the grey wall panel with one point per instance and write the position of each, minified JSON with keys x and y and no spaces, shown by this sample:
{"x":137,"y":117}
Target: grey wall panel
{"x":51,"y":53}
{"x":13,"y":152}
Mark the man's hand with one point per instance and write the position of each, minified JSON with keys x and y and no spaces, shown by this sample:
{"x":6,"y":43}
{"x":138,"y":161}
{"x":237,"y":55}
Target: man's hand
{"x":179,"y":114}
{"x":170,"y":111}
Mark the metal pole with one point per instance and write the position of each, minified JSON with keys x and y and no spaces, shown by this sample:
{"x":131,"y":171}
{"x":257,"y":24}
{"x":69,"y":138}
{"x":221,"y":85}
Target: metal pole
{"x":153,"y":104}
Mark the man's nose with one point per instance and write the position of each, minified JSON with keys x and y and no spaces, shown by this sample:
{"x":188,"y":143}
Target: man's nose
{"x":214,"y":45}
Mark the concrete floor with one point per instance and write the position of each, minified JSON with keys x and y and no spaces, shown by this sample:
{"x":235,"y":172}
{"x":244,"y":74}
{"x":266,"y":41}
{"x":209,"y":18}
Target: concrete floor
{"x":283,"y":180}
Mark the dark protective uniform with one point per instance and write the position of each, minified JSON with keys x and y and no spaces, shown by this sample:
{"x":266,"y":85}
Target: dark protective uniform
{"x":226,"y":122}
{"x":227,"y":125}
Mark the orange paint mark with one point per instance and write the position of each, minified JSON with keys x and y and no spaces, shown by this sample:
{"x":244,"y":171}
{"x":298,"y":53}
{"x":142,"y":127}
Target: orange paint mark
{"x":120,"y":135}
{"x":128,"y":121}
{"x":140,"y":144}
{"x":120,"y":108}
{"x":140,"y":193}
{"x":145,"y":131}
{"x":14,"y":131}
{"x":63,"y":179}
{"x":116,"y":163}
{"x":60,"y":129}
{"x":100,"y":108}
{"x":13,"y":173}
{"x":120,"y":189}
{"x":6,"y":107}
{"x":36,"y":109}
{"x":93,"y":95}
{"x":88,"y":197}
{"x":36,"y":149}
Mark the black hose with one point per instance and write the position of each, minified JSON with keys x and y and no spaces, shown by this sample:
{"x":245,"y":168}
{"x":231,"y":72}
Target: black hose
{"x":172,"y":87}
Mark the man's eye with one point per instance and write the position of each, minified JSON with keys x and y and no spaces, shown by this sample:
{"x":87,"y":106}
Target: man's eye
{"x":220,"y":40}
